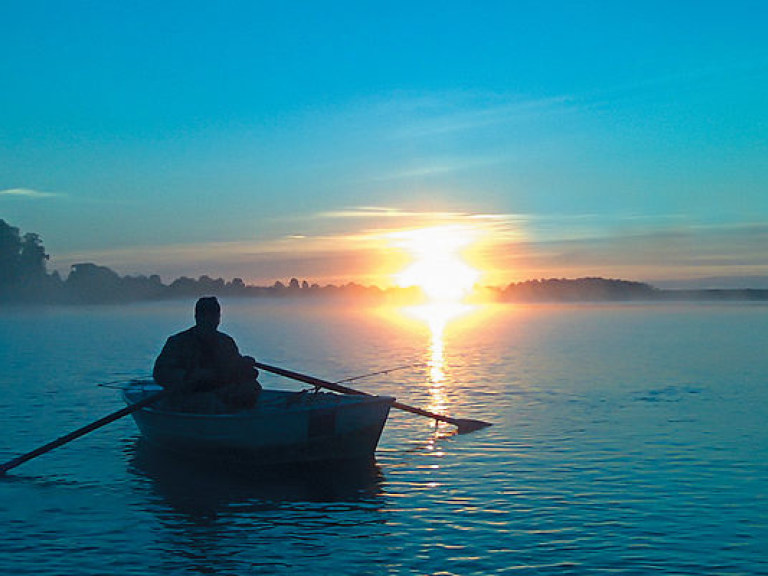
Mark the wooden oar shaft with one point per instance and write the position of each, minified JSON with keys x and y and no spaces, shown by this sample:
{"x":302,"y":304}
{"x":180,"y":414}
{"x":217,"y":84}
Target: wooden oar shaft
{"x":82,"y":431}
{"x":422,"y":412}
{"x":346,"y":390}
{"x":310,"y":379}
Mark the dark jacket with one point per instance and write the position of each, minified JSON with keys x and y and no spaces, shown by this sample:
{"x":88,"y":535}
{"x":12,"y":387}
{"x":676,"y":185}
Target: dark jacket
{"x":187,"y":351}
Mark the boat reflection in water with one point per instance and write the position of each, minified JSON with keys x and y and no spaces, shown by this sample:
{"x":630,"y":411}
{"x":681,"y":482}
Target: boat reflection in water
{"x":201,"y":489}
{"x":220,"y":520}
{"x":304,"y":447}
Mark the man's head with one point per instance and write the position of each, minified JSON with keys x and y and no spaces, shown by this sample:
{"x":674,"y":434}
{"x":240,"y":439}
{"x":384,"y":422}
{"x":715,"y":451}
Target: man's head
{"x":207,"y":314}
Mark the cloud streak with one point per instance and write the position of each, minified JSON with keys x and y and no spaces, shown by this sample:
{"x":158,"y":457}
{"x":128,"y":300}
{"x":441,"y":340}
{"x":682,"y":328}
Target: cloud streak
{"x":27,"y":193}
{"x":380,"y":222}
{"x":438,"y":216}
{"x":446,"y":114}
{"x":678,"y":251}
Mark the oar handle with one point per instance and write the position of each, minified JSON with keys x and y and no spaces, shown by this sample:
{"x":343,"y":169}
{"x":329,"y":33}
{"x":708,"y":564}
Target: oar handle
{"x":82,"y":431}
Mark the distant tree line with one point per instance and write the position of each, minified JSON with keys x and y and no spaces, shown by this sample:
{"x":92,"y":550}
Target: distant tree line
{"x":602,"y":290}
{"x":23,"y":274}
{"x":25,"y":279}
{"x":578,"y":290}
{"x":91,"y":283}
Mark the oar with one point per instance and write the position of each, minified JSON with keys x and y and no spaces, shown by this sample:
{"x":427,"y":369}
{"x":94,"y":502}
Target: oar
{"x":464,"y":425}
{"x":83,"y":431}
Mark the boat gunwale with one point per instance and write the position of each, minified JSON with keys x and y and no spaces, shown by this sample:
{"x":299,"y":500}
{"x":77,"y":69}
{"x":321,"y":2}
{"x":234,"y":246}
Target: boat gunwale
{"x":347,"y":401}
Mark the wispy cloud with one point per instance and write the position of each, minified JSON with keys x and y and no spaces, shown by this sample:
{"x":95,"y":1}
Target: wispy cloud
{"x":381,"y":221}
{"x":367,"y":212}
{"x":362,"y":212}
{"x":27,"y":193}
{"x":451,"y":113}
{"x":652,"y":252}
{"x":437,"y":167}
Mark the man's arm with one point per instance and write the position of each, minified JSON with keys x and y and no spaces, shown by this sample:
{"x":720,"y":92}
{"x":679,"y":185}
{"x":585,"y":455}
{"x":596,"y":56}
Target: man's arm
{"x":169,"y":370}
{"x":239,"y":368}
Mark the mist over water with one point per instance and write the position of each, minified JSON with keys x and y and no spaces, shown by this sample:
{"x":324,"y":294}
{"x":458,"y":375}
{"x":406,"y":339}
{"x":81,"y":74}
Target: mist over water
{"x":628,"y":439}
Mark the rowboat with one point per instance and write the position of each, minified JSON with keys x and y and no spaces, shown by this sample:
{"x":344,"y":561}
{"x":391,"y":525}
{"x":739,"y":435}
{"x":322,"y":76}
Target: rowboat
{"x":283,"y":428}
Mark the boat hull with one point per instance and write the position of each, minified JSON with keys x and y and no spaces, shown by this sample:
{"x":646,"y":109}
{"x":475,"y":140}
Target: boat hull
{"x":283,"y":428}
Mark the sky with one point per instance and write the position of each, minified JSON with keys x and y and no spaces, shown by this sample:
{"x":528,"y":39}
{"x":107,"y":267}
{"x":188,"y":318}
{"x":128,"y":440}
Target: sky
{"x":270,"y":140}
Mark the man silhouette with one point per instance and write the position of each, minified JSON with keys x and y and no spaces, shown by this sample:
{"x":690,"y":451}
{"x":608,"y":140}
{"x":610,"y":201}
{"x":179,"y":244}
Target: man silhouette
{"x":204,"y":368}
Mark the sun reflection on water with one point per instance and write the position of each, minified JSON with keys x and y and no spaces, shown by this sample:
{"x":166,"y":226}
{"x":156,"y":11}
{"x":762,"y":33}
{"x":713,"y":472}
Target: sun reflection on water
{"x":437,"y":316}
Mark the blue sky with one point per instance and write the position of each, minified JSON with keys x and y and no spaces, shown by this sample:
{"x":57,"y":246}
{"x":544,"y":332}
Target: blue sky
{"x":267,"y":140}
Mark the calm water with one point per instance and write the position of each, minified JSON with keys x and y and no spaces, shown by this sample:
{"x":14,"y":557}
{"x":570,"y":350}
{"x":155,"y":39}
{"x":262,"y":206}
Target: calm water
{"x":628,"y":439}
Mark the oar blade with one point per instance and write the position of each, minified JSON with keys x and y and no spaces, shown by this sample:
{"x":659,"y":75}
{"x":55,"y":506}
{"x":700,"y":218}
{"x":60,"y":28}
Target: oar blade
{"x":467,"y":425}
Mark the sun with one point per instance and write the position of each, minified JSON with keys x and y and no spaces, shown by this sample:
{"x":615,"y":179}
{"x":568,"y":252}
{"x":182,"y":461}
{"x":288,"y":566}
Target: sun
{"x":438,"y":267}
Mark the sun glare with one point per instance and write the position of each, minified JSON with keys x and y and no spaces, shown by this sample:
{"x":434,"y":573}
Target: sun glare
{"x":438,"y":268}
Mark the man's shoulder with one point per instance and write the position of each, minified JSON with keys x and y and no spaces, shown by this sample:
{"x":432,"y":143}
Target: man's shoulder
{"x":225,"y":337}
{"x":182,"y":336}
{"x":189,"y":336}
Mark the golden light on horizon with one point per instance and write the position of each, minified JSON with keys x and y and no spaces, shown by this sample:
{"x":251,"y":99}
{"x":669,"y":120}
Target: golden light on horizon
{"x":439,"y":270}
{"x":438,"y":267}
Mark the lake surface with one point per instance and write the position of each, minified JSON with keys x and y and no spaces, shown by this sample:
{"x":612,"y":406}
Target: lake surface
{"x":628,"y":439}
